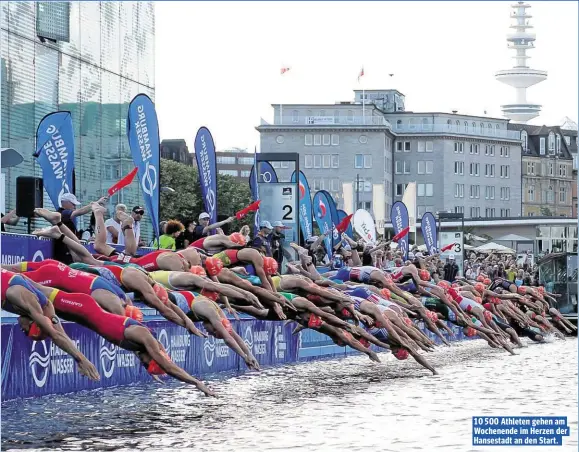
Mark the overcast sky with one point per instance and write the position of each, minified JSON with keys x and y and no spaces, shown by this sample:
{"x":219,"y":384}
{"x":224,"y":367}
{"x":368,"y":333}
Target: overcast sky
{"x":218,"y":63}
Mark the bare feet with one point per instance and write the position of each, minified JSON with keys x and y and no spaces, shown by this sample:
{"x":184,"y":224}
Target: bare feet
{"x":126,"y":220}
{"x":51,"y":217}
{"x":97,"y":208}
{"x":51,"y":232}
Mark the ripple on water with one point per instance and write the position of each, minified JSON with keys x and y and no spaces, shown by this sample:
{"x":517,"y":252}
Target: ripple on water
{"x":351,"y":404}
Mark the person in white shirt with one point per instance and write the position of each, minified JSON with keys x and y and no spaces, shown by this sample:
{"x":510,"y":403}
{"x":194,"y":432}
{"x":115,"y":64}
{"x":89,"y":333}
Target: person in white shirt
{"x":137,"y":214}
{"x":113,"y":225}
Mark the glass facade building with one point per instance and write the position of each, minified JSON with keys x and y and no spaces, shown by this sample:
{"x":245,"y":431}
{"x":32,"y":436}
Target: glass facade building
{"x":89,"y":58}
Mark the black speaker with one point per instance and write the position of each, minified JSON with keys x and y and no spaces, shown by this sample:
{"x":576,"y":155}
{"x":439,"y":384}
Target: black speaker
{"x":28,"y":195}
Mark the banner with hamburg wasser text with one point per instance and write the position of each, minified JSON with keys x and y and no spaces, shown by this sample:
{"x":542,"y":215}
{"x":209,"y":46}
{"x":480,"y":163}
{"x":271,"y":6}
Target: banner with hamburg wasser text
{"x":428,"y":228}
{"x":322,"y":210}
{"x":305,"y":204}
{"x":143,"y":135}
{"x":399,"y":217}
{"x":55,"y":154}
{"x":207,"y":166}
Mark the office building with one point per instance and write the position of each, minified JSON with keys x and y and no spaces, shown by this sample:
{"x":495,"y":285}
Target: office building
{"x":90,"y":58}
{"x":177,"y":151}
{"x":461,"y":163}
{"x":547,"y":170}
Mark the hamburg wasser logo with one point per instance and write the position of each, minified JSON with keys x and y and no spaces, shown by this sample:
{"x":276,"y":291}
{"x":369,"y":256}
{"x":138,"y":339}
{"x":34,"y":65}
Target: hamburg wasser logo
{"x":256,"y":341}
{"x":248,"y":338}
{"x":39,"y":363}
{"x":108,"y":353}
{"x":164,"y":340}
{"x":209,"y":350}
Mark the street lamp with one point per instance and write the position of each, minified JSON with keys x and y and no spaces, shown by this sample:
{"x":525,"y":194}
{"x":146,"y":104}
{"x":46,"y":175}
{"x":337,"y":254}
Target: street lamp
{"x":167,"y":190}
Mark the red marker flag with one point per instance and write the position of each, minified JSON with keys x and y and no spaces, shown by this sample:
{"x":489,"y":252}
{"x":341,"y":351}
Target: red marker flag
{"x":447,"y":247}
{"x":123,"y":182}
{"x":401,"y":234}
{"x":253,"y":207}
{"x":343,"y":225}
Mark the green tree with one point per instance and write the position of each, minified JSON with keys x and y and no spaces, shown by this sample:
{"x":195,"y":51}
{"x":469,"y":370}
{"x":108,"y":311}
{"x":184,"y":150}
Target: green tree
{"x":187,"y":203}
{"x":546,"y":212}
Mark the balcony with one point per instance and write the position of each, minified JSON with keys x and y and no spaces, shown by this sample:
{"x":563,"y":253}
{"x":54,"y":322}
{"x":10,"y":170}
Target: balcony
{"x":316,"y":121}
{"x":454,"y":129}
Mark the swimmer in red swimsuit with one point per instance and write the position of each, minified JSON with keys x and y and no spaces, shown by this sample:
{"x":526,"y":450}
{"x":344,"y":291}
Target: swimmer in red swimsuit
{"x":19,"y":296}
{"x":250,"y":256}
{"x":55,"y":274}
{"x":119,"y":330}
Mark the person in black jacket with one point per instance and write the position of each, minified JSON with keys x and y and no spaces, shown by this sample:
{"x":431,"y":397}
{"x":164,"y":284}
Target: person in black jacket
{"x":450,"y":269}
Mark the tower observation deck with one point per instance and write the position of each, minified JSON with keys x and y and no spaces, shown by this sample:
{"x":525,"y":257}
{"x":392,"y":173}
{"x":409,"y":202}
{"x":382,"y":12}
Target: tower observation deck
{"x":521,"y":76}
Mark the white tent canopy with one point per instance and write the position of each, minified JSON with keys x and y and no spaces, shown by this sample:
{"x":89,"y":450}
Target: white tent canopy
{"x":494,"y":248}
{"x":513,"y":238}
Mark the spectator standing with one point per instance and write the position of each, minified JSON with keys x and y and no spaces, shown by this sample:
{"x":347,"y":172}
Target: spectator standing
{"x":261,"y":241}
{"x":450,"y":269}
{"x":204,"y":228}
{"x":277,"y":241}
{"x":137,"y":214}
{"x":186,"y":238}
{"x":167,"y":241}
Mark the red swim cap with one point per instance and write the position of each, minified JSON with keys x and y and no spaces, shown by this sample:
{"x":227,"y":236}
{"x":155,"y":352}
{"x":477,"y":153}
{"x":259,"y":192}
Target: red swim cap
{"x":198,"y":270}
{"x":469,"y":331}
{"x":153,"y":368}
{"x":487,"y":281}
{"x":479,"y":287}
{"x":346,"y":313}
{"x":541,"y":290}
{"x":227,"y":324}
{"x":522,"y":290}
{"x":238,"y":238}
{"x":401,"y":354}
{"x":386,"y":293}
{"x":209,"y":294}
{"x":488,"y":316}
{"x":487,"y":306}
{"x":408,"y":321}
{"x":314,"y":321}
{"x":364,"y":342}
{"x":453,"y":293}
{"x":35,"y":333}
{"x":444,"y":284}
{"x":480,"y":278}
{"x":270,"y":265}
{"x":161,"y":293}
{"x":424,"y":275}
{"x":478,"y":300}
{"x":213,"y":266}
{"x":134,"y":313}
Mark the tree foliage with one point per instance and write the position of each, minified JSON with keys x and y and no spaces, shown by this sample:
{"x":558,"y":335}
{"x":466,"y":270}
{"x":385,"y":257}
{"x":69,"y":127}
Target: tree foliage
{"x":187,"y":202}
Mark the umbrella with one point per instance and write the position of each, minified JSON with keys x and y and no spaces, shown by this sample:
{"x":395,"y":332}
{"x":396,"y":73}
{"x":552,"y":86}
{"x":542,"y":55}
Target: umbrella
{"x":9,"y":157}
{"x":494,"y":248}
{"x":513,"y":238}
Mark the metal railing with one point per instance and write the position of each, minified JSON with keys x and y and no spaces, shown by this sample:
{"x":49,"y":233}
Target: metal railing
{"x":457,"y":129}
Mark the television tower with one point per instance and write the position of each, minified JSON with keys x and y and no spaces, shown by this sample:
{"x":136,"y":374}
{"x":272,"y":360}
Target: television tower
{"x":521,"y":76}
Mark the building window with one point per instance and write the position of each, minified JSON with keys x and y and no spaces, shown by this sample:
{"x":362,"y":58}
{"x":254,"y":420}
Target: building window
{"x":398,"y":167}
{"x":245,"y":160}
{"x":459,"y":168}
{"x":490,"y":127}
{"x":421,"y":146}
{"x":335,"y":161}
{"x":487,"y":149}
{"x":411,"y":124}
{"x":420,"y":190}
{"x":425,"y":124}
{"x":334,"y":183}
{"x":524,"y":138}
{"x":295,"y":116}
{"x":317,"y":161}
{"x":407,"y":146}
{"x":563,"y":170}
{"x":507,"y":151}
{"x":492,"y":149}
{"x":336,"y":116}
{"x":504,"y":171}
{"x":429,"y":146}
{"x":429,"y":189}
{"x":317,"y":140}
{"x":245,"y":173}
{"x":490,"y":212}
{"x":308,"y":160}
{"x":558,"y":143}
{"x":459,"y":209}
{"x":368,"y":161}
{"x":406,"y":167}
{"x":550,"y":195}
{"x":421,"y":167}
{"x":309,"y":139}
{"x":359,"y":161}
{"x":459,"y":190}
{"x":474,"y":169}
{"x":551,"y":143}
{"x":531,"y":168}
{"x":458,"y":148}
{"x":399,"y":124}
{"x":399,"y":145}
{"x":227,"y":172}
{"x":475,"y":212}
{"x":335,"y":139}
{"x":505,"y":193}
{"x":53,"y":20}
{"x":457,"y":126}
{"x":497,"y":128}
{"x":225,"y":160}
{"x":473,"y":127}
{"x":562,"y":194}
{"x":474,"y":148}
{"x":326,"y":139}
{"x":482,"y":128}
{"x":490,"y":192}
{"x":400,"y":189}
{"x":429,"y":167}
{"x":531,"y":193}
{"x":465,"y":127}
{"x":350,"y":115}
{"x":551,"y":169}
{"x":449,"y":125}
{"x":542,"y":146}
{"x":568,"y":140}
{"x":326,"y":160}
{"x":475,"y":191}
{"x":363,"y":139}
